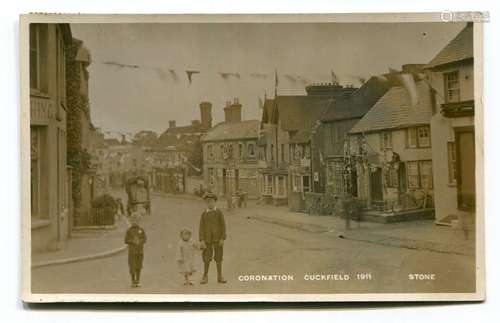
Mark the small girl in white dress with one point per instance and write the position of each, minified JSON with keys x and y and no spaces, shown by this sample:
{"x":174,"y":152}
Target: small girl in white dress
{"x":186,"y":250}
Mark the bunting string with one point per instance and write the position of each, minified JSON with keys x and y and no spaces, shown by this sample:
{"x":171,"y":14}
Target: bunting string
{"x":169,"y":74}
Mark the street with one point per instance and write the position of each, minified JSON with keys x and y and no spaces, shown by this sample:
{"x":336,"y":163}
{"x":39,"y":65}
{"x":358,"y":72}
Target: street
{"x":259,"y":248}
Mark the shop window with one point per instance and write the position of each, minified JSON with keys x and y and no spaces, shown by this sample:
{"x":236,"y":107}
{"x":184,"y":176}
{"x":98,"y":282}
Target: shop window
{"x":425,"y":168}
{"x":334,"y":175}
{"x":413,"y":176}
{"x":419,"y":174}
{"x":391,"y":177}
{"x":281,"y":189}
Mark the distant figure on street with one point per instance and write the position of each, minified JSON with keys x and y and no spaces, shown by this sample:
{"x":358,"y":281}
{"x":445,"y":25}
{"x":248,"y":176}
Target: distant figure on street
{"x":186,"y":249}
{"x":135,"y":238}
{"x":120,"y":209}
{"x":212,"y":233}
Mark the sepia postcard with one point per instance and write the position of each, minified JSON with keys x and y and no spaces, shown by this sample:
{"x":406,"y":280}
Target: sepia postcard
{"x":252,"y":158}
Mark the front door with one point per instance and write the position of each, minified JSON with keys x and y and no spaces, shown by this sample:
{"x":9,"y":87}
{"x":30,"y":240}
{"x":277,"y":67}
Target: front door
{"x":466,"y":167}
{"x":376,"y":185}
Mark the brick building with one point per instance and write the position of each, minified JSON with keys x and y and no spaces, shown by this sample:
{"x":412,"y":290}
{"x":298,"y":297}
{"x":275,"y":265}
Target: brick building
{"x":230,"y":154}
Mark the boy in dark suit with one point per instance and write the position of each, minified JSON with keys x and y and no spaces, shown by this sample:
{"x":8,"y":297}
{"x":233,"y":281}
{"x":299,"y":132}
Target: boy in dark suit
{"x":212,"y":233}
{"x":135,"y":238}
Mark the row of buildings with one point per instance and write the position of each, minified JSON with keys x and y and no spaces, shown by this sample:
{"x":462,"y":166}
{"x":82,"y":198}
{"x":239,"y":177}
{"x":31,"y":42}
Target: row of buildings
{"x":62,"y":136}
{"x":402,"y":144}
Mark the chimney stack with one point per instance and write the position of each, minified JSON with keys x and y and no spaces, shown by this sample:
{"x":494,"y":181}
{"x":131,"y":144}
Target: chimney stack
{"x":206,"y":115}
{"x":232,"y":111}
{"x":171,"y":124}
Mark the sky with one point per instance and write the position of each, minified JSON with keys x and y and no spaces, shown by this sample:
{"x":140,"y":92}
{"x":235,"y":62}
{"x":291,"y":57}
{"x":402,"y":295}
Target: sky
{"x":145,"y":95}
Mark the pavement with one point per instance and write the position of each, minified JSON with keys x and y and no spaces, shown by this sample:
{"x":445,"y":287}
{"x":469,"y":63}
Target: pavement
{"x":90,"y":243}
{"x":421,"y":235}
{"x":266,"y":240}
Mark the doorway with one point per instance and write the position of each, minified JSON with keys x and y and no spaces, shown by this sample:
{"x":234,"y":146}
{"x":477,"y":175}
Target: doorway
{"x":376,"y":185}
{"x":466,"y":168}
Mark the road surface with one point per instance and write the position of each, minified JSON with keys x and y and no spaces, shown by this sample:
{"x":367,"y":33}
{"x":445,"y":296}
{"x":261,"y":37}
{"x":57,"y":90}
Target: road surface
{"x":255,"y":249}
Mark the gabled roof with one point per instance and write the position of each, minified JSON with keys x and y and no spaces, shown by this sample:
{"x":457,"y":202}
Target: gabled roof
{"x":267,"y":111}
{"x":458,"y":49}
{"x":394,"y":110}
{"x":361,"y":100}
{"x":248,"y":129}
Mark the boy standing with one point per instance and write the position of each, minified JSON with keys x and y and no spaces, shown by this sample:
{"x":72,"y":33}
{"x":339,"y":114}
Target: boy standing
{"x":212,"y":233}
{"x":135,"y":238}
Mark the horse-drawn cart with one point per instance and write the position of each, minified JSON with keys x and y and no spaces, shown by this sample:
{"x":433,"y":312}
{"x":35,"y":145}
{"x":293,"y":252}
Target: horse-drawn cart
{"x":137,"y":189}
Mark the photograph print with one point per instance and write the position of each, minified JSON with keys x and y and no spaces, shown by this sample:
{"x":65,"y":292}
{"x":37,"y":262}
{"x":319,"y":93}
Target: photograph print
{"x":251,"y":158}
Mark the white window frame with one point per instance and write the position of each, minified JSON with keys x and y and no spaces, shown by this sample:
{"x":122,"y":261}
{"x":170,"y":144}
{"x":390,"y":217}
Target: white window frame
{"x":452,"y":86}
{"x":412,"y":137}
{"x":419,"y":137}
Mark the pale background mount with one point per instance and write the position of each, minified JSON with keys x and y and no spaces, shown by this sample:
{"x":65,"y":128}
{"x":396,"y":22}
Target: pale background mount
{"x":10,"y":188}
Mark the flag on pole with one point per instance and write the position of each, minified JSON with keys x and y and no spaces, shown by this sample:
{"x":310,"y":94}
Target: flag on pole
{"x":190,"y":74}
{"x":275,"y":82}
{"x":335,"y":80}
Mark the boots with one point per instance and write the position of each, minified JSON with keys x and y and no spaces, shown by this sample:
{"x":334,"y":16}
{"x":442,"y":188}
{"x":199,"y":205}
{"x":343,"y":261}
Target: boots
{"x":137,"y":279}
{"x":220,"y":278}
{"x":204,"y":280}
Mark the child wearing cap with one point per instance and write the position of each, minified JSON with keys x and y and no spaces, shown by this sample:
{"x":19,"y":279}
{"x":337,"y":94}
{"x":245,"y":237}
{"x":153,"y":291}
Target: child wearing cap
{"x":135,"y":238}
{"x":212,"y":233}
{"x":186,"y":249}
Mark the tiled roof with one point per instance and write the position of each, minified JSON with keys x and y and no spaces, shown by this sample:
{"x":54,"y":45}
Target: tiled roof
{"x":460,"y":48}
{"x":248,"y":129}
{"x":297,"y":112}
{"x":394,"y":110}
{"x":361,"y":100}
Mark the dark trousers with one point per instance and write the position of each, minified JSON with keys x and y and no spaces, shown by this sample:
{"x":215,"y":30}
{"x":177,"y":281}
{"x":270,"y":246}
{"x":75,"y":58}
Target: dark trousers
{"x":213,"y":251}
{"x":135,"y":265}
